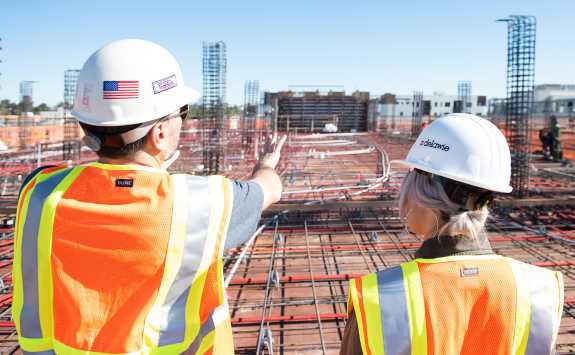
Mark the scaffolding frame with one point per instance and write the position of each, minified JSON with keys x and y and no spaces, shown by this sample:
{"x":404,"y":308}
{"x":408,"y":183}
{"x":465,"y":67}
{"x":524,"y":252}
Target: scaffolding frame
{"x":214,"y":71}
{"x":70,"y":142}
{"x":464,"y":95}
{"x":24,"y":121}
{"x":250,"y":111}
{"x":417,"y":113}
{"x":521,"y":39}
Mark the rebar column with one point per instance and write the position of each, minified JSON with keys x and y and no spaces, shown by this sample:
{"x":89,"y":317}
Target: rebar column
{"x":464,"y":95}
{"x":417,"y":113}
{"x":214,"y":66}
{"x":70,"y":144}
{"x":521,"y":32}
{"x":250,"y":112}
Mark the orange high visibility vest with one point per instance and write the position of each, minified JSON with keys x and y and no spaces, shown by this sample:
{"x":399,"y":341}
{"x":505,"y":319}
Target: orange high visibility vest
{"x":469,"y":305}
{"x":113,"y":259}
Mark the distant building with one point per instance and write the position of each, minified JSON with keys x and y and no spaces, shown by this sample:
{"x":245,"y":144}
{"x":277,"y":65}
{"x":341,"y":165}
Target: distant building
{"x":388,"y":109}
{"x":548,"y":99}
{"x":554,"y":99}
{"x":311,"y":111}
{"x":26,"y":96}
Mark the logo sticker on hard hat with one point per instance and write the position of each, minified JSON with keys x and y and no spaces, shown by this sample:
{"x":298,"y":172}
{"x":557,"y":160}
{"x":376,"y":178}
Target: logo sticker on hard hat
{"x":121,"y":89}
{"x":164,"y":84}
{"x":433,"y":144}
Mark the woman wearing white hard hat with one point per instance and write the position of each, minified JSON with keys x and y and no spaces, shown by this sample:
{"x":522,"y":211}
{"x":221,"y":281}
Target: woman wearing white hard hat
{"x":457,"y":296}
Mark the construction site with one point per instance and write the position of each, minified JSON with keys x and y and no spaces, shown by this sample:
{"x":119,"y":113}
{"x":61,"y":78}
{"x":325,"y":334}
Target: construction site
{"x":338,"y":218}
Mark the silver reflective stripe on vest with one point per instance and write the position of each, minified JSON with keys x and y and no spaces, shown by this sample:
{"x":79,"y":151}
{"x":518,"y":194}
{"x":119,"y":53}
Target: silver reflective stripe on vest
{"x":47,"y":352}
{"x":393,"y":308}
{"x":30,"y":315}
{"x":173,"y":315}
{"x":544,"y":296}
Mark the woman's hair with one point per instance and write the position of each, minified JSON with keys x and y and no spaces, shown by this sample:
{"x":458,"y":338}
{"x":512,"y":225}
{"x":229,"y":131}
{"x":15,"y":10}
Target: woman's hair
{"x":422,"y":190}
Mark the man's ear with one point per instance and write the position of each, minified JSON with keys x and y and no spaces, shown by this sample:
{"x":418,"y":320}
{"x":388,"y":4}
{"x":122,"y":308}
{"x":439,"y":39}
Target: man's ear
{"x":158,"y":138}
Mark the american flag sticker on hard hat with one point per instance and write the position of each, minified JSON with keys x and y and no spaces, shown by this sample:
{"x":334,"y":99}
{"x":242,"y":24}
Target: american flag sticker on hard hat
{"x":164,"y":84}
{"x":121,"y":89}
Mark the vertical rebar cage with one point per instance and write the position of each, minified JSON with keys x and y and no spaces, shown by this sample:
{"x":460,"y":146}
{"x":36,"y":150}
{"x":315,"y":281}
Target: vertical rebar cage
{"x":70,"y":143}
{"x":417,"y":113}
{"x":521,"y":31}
{"x":214,"y":66}
{"x":464,"y":95}
{"x":25,"y":121}
{"x":250,"y":111}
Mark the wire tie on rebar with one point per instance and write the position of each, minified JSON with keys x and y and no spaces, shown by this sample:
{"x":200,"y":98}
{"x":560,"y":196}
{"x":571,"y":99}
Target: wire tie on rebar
{"x":2,"y":285}
{"x":374,"y":236}
{"x":275,"y":278}
{"x":279,"y":238}
{"x":266,"y":339}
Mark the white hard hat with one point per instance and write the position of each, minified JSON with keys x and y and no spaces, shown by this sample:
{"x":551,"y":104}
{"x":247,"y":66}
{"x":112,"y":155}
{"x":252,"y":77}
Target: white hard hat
{"x":128,"y":82}
{"x":465,"y":148}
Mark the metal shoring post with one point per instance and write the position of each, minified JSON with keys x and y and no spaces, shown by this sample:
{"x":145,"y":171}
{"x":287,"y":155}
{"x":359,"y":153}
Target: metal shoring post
{"x":313,"y":289}
{"x":265,"y":334}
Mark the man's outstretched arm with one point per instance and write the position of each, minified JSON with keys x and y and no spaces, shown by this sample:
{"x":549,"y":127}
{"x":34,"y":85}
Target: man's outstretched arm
{"x":265,"y":174}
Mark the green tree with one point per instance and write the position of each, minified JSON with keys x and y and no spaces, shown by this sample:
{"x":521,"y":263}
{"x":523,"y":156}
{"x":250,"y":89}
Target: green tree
{"x":41,"y":107}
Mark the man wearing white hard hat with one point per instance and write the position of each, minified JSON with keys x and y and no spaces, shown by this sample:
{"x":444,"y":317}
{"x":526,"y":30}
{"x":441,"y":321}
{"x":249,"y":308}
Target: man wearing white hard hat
{"x":457,"y":296}
{"x":119,"y":256}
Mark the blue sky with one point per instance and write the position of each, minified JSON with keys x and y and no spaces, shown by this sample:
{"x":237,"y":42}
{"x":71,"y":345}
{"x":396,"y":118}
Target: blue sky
{"x":378,"y":46}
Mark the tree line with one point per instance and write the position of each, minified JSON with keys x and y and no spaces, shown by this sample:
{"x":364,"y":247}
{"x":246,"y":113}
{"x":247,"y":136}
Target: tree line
{"x":8,"y":107}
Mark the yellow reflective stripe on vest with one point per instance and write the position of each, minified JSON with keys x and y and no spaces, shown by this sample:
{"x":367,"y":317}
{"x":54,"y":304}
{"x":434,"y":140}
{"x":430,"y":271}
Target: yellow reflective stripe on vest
{"x":365,"y":295}
{"x":523,"y":309}
{"x":35,"y":269}
{"x":208,"y":208}
{"x":190,"y":242}
{"x":221,"y":191}
{"x":391,"y":302}
{"x":415,"y":308}
{"x":370,"y":300}
{"x":159,"y":313}
{"x":18,"y":292}
{"x":61,"y":348}
{"x":355,"y":304}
